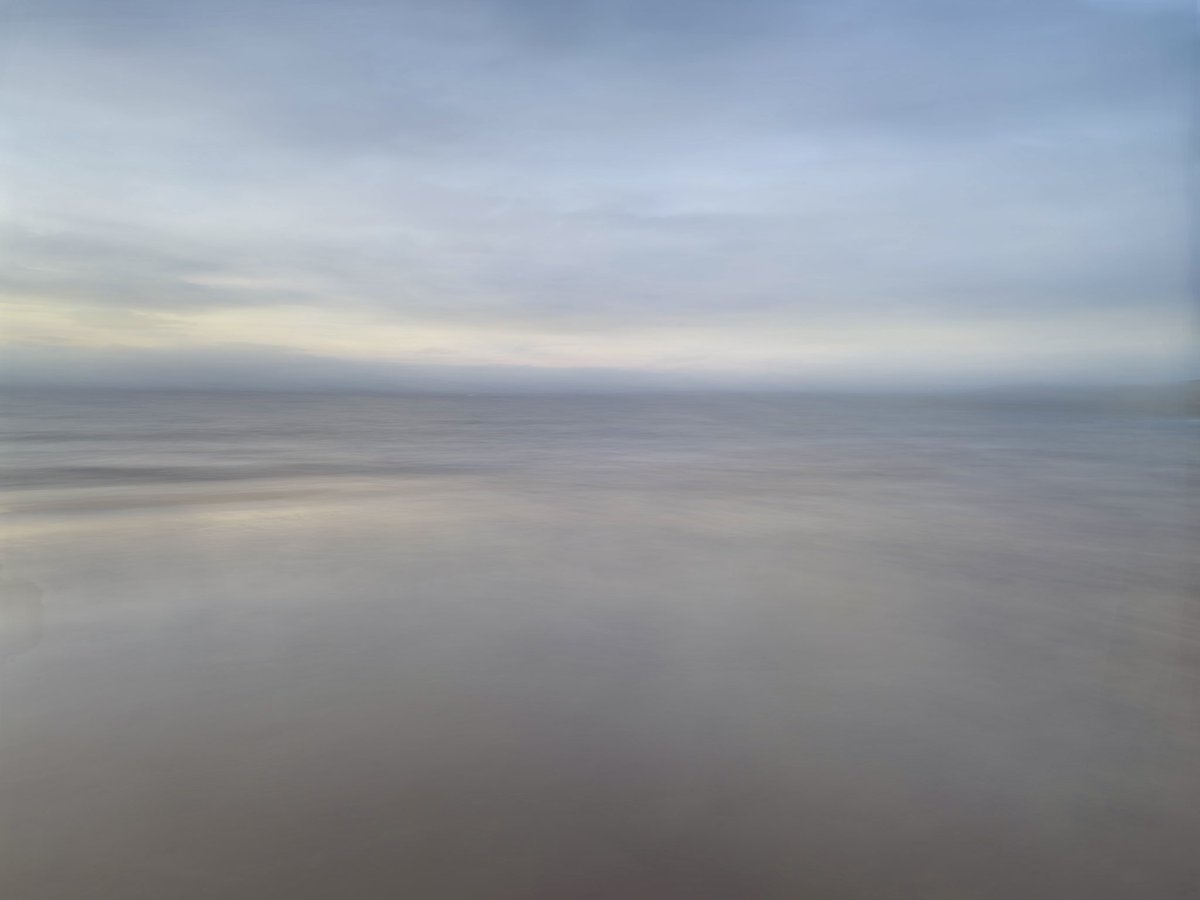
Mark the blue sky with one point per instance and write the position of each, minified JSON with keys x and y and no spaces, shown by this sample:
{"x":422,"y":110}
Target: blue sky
{"x":810,"y":193}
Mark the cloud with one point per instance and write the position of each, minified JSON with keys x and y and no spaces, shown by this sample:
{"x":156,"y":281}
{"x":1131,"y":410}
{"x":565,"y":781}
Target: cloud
{"x":600,"y":175}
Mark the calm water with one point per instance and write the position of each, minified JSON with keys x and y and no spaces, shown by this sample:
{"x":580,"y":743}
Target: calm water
{"x":596,"y":648}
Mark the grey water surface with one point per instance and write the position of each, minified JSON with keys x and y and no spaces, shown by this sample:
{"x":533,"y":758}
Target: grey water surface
{"x":289,"y":646}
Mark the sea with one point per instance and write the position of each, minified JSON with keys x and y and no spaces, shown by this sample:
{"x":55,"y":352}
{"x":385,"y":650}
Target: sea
{"x":711,"y":646}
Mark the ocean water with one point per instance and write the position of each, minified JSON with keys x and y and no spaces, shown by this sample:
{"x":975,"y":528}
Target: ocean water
{"x":596,"y":648}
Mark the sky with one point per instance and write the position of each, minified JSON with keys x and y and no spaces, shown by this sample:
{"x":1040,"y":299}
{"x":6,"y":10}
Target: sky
{"x":832,"y":193}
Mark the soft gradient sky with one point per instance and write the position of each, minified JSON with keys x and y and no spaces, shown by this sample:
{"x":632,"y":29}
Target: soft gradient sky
{"x":834,"y":192}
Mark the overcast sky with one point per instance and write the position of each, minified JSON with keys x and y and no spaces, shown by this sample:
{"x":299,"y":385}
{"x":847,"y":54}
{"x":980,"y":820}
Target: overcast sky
{"x":888,"y":192}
